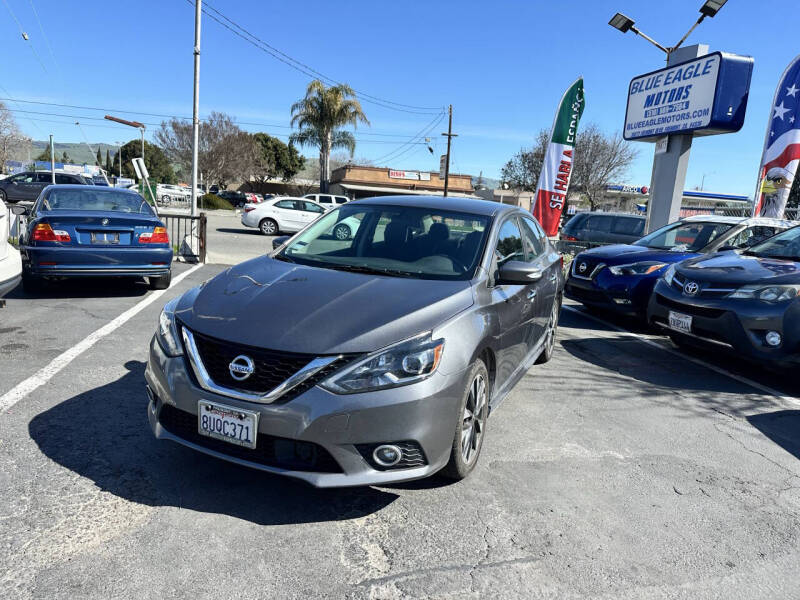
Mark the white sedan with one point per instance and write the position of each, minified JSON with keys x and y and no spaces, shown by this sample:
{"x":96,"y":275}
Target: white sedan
{"x":282,"y":214}
{"x":10,"y":261}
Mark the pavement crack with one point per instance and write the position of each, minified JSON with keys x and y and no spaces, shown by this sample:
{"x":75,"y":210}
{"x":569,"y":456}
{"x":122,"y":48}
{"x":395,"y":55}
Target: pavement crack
{"x":787,"y":470}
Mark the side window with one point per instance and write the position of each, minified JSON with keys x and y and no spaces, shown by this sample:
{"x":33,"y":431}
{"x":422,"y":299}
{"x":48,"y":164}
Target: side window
{"x":64,"y":178}
{"x":751,"y":236}
{"x":285,"y":204}
{"x":600,"y":223}
{"x":341,"y":200}
{"x":509,"y":243}
{"x":323,"y":199}
{"x":627,"y":225}
{"x":311,"y":207}
{"x":533,"y":243}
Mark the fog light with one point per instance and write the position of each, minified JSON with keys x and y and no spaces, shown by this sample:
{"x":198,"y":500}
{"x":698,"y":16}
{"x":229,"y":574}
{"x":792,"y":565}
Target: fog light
{"x":387,"y":455}
{"x":622,"y":300}
{"x":773,"y":338}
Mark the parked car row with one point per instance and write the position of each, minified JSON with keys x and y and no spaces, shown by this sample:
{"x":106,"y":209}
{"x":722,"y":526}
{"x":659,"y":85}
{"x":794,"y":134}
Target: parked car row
{"x":727,"y":282}
{"x":28,"y":185}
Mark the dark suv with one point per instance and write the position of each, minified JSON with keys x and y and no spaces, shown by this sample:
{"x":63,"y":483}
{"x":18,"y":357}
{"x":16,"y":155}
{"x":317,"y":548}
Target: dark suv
{"x":604,"y":228}
{"x":28,"y":185}
{"x":238,"y":199}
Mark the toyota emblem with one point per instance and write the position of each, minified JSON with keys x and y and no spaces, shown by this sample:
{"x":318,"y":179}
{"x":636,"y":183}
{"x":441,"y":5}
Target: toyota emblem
{"x":241,"y":367}
{"x":691,"y":288}
{"x":582,"y":267}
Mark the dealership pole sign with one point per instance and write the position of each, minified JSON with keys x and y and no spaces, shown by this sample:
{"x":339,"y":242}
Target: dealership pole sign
{"x":704,"y":96}
{"x":551,"y":193}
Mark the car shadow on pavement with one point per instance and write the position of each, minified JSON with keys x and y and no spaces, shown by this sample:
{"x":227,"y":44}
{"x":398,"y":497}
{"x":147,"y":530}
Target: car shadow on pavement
{"x":87,"y":287}
{"x":782,"y":427}
{"x":242,"y":230}
{"x":102,"y":434}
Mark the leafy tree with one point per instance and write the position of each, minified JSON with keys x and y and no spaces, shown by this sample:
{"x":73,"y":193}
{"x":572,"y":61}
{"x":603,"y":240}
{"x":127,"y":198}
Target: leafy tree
{"x":65,"y":158}
{"x":600,"y":159}
{"x":45,"y":156}
{"x":320,"y":116}
{"x":794,"y":195}
{"x":155,"y":160}
{"x":12,"y":140}
{"x":99,"y":158}
{"x":109,"y":167}
{"x":276,"y":159}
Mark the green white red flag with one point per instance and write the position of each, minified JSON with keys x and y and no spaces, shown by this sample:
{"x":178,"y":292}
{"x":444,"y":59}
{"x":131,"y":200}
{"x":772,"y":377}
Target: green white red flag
{"x":551,"y":193}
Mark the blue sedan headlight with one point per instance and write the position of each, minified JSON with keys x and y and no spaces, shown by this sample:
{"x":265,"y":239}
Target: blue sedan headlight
{"x":639,"y":268}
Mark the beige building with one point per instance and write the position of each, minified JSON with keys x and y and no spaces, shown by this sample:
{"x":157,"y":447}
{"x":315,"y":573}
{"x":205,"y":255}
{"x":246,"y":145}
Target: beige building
{"x":361,"y":182}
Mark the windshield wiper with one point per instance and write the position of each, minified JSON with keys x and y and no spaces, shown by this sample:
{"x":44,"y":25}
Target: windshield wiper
{"x":284,"y":258}
{"x":369,"y":270}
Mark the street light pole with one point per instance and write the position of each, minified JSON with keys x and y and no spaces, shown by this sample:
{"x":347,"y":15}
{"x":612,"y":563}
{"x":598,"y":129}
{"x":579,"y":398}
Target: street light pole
{"x":52,"y":161}
{"x":450,"y":135}
{"x":196,"y":105}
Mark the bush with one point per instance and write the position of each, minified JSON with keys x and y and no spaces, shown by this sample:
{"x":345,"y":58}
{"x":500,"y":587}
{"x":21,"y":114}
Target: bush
{"x":214,"y":202}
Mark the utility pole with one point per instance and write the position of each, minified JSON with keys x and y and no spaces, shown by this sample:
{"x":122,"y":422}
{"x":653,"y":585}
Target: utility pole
{"x":196,"y":106}
{"x":52,"y":162}
{"x":450,"y":135}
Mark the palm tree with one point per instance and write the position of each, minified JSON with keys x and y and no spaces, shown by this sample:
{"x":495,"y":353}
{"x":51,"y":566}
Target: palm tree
{"x":319,"y":117}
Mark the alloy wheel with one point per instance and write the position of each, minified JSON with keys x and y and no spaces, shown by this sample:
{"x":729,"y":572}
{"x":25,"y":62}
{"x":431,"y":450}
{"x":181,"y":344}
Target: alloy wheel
{"x":268,"y":227}
{"x":474,"y":419}
{"x":552,"y":325}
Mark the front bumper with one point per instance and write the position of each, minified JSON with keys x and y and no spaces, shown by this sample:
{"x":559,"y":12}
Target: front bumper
{"x":619,"y":293}
{"x":424,"y":413}
{"x":736,"y":326}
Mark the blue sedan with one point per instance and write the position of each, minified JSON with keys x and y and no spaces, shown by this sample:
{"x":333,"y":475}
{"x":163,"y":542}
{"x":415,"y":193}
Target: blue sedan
{"x":621,"y":278}
{"x":76,"y":230}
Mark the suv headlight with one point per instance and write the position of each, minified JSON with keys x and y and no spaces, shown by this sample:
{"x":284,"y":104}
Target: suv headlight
{"x":167,"y":332}
{"x":669,"y":274}
{"x":769,"y":293}
{"x":639,"y":268}
{"x":401,"y":364}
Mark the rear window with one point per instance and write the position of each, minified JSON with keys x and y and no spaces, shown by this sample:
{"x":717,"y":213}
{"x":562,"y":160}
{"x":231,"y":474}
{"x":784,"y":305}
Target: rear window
{"x":575,"y":222}
{"x":95,"y":198}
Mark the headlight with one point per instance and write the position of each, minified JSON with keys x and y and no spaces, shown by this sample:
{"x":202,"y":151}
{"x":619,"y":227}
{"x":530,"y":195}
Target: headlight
{"x":669,"y":274}
{"x":167,"y":332}
{"x":406,"y":362}
{"x":770,"y":293}
{"x":639,"y":268}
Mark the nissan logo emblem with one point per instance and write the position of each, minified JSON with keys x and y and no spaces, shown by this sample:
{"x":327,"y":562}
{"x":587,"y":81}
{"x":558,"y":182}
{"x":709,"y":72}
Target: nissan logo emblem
{"x":691,"y":288}
{"x":582,"y":267}
{"x":241,"y":367}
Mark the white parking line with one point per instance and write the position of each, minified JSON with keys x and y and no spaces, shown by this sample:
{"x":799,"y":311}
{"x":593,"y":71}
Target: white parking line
{"x":646,"y":340}
{"x":47,"y":372}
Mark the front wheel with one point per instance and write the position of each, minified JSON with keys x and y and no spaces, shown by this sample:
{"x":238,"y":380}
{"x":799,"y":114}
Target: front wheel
{"x":3,"y":197}
{"x":161,"y":283}
{"x":471,"y":425}
{"x":550,"y":333}
{"x":268,"y":227}
{"x":342,"y":232}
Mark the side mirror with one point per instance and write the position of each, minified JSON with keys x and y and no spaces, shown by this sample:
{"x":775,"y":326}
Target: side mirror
{"x":19,"y":210}
{"x":516,"y":272}
{"x":279,"y":241}
{"x":725,"y":248}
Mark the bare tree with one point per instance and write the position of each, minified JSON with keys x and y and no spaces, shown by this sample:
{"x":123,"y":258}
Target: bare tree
{"x":600,"y":159}
{"x":225,"y":153}
{"x":12,"y":141}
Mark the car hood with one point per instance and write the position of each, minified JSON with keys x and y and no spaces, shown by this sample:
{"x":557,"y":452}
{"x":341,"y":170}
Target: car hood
{"x":283,"y":306}
{"x":620,"y":254}
{"x":740,"y":269}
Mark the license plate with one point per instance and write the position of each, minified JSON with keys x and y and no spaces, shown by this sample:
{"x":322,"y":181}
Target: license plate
{"x":227,"y":423}
{"x":680,"y":322}
{"x":104,"y":238}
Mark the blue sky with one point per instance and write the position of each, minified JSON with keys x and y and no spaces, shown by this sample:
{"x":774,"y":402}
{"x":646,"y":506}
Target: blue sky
{"x":502,"y":65}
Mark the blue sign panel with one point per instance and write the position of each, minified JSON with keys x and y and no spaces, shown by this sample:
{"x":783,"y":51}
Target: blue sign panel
{"x":705,"y":96}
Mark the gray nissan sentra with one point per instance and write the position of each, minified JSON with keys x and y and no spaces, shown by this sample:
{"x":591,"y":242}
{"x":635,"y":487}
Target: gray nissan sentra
{"x":367,"y":360}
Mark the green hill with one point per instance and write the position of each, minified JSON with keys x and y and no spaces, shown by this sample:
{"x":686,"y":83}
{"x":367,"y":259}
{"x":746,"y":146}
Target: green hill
{"x":79,"y":153}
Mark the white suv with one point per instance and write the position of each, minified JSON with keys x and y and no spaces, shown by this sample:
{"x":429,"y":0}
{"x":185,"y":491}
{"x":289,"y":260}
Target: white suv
{"x":10,"y":261}
{"x":327,"y":201}
{"x":282,"y":214}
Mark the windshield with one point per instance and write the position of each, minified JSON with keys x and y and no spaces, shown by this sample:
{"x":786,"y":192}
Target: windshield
{"x":783,"y":245}
{"x":684,"y":236}
{"x":95,"y":198}
{"x":400,"y":241}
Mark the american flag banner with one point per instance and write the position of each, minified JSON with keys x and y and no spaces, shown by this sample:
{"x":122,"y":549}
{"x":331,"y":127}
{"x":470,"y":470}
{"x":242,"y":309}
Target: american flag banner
{"x":781,"y":147}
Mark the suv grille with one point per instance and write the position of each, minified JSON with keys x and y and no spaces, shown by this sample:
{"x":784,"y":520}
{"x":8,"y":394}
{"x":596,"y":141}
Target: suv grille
{"x":697,"y":311}
{"x":271,"y":451}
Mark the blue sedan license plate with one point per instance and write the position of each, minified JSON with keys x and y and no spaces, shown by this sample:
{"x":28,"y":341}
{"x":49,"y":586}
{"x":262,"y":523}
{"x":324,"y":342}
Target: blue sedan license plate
{"x":227,"y":423}
{"x":104,"y":238}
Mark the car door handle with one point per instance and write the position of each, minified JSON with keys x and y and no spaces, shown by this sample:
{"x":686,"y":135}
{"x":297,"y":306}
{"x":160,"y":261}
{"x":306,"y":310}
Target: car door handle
{"x":553,"y":277}
{"x":531,"y":294}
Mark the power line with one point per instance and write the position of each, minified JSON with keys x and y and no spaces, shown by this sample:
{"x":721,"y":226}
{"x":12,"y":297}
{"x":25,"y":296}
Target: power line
{"x":25,"y":36}
{"x":47,"y":41}
{"x":395,"y":154}
{"x":297,"y":65}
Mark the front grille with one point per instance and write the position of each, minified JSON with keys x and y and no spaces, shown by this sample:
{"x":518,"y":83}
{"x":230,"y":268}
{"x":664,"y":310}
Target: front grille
{"x":271,"y":451}
{"x":413,"y":455}
{"x":272,"y":367}
{"x":697,"y":311}
{"x":593,"y":266}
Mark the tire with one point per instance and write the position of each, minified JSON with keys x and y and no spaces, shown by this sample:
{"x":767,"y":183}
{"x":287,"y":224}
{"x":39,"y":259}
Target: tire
{"x":3,"y":197}
{"x":467,"y":443}
{"x":160,"y":283}
{"x":342,"y":232}
{"x":268,"y":227}
{"x":32,"y":284}
{"x":550,"y":333}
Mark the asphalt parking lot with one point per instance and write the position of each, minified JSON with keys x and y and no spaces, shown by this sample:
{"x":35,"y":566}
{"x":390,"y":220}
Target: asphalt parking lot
{"x":621,"y":469}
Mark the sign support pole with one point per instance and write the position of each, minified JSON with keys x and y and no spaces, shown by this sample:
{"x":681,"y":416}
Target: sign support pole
{"x":669,"y":168}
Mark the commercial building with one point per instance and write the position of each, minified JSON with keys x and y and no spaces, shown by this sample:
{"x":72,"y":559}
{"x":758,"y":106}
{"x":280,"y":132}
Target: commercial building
{"x":361,"y":182}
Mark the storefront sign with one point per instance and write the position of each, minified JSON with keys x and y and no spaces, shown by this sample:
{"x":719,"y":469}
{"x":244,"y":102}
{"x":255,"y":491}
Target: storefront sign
{"x":403,"y":174}
{"x":706,"y":95}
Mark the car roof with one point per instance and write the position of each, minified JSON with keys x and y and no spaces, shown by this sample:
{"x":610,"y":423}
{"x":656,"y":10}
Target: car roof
{"x":82,"y":188}
{"x":487,"y":208}
{"x":609,"y":214}
{"x":741,"y":220}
